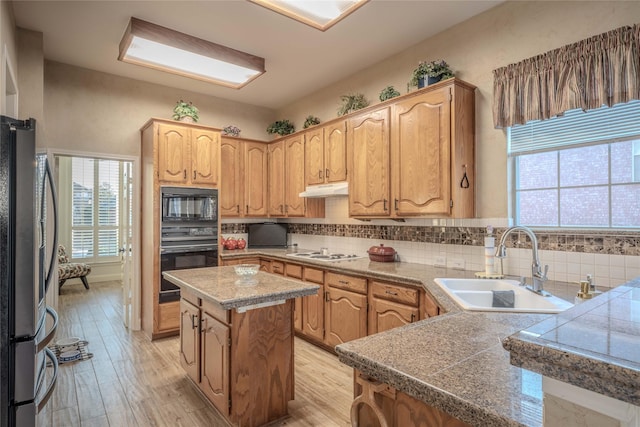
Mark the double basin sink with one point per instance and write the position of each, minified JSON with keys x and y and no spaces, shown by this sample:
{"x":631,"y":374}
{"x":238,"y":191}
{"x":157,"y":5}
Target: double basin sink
{"x":478,"y":295}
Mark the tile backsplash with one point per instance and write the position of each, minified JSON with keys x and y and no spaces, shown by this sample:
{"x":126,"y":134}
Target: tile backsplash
{"x":611,"y":257}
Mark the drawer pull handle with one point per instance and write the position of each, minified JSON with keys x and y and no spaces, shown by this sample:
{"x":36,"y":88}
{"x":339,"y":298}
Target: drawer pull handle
{"x":391,"y":293}
{"x":344,"y":282}
{"x":320,"y":173}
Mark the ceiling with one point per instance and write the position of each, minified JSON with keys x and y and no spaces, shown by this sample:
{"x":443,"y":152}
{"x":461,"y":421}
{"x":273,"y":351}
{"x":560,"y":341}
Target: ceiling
{"x":299,"y":59}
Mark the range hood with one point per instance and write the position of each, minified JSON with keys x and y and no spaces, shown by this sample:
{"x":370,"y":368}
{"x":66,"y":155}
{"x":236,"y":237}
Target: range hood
{"x":326,"y":190}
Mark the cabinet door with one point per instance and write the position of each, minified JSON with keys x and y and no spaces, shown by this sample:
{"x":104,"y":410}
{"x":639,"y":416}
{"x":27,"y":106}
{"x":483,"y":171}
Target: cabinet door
{"x":345,"y":316}
{"x":205,"y":146}
{"x":297,"y":314}
{"x":294,"y":175}
{"x":314,"y":156}
{"x":335,"y":152}
{"x":231,"y":179}
{"x":255,"y":172}
{"x":276,"y":179}
{"x":420,"y":153}
{"x":385,"y":315}
{"x":313,"y":315}
{"x":189,"y":354}
{"x":215,"y":368}
{"x":368,"y":137}
{"x":173,"y":158}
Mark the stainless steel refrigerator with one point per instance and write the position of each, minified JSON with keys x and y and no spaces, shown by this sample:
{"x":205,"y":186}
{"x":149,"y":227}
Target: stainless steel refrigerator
{"x":28,"y":369}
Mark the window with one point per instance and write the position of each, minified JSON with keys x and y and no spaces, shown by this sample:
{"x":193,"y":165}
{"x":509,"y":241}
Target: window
{"x":95,"y":208}
{"x":579,"y":170}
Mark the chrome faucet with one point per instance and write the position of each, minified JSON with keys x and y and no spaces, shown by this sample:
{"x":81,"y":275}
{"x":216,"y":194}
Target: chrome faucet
{"x":537,"y":276}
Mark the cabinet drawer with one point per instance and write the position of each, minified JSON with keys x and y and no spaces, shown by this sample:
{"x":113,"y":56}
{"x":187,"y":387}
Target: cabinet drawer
{"x":277,"y":267}
{"x":396,"y":293}
{"x":342,"y":281}
{"x":294,"y":270}
{"x":190,"y":297}
{"x":214,"y":310}
{"x":169,"y":316}
{"x":314,"y":275}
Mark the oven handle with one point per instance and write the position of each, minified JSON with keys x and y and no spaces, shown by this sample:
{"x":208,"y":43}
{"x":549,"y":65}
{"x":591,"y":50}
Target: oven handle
{"x":184,"y":249}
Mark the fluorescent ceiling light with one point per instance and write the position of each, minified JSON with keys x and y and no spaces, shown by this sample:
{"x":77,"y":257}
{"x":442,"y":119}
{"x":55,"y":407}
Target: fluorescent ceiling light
{"x":163,"y":49}
{"x":320,"y":14}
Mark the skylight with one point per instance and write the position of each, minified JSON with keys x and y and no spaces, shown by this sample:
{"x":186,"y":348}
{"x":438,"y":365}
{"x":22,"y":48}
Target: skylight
{"x":320,"y":14}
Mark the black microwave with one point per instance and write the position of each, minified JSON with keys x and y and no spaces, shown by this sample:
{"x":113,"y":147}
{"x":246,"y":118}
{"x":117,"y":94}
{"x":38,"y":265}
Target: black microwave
{"x":188,"y":204}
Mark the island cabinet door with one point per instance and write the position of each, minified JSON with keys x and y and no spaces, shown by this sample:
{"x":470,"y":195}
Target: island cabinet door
{"x":189,"y":354}
{"x":214,"y":353}
{"x":345,"y":316}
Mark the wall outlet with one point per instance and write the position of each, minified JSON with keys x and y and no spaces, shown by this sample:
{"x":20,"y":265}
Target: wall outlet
{"x":456,"y":263}
{"x":440,"y":261}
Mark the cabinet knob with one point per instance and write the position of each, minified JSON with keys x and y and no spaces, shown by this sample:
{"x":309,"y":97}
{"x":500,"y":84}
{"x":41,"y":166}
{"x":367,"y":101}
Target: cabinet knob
{"x":413,"y":317}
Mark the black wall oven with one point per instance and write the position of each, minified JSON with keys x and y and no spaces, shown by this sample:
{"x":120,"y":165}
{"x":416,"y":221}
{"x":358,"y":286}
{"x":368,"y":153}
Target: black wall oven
{"x":180,"y":259}
{"x":189,"y":235}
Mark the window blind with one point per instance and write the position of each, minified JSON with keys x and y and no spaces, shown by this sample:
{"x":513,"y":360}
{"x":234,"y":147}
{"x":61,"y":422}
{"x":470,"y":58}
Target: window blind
{"x":576,"y":127}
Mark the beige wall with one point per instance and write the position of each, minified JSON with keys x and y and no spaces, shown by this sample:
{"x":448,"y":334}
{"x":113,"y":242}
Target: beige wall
{"x":31,"y":79}
{"x":90,"y":111}
{"x":508,"y":33}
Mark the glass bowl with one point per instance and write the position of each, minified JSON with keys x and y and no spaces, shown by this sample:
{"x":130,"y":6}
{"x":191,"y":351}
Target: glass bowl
{"x":247,"y":271}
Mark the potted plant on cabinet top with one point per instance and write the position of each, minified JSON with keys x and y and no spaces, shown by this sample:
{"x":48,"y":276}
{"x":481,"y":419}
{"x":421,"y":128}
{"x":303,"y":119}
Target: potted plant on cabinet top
{"x":388,"y":93}
{"x":311,"y":121}
{"x":427,"y":73}
{"x":231,"y":130}
{"x":281,"y":127}
{"x":351,"y":103}
{"x":185,"y":112}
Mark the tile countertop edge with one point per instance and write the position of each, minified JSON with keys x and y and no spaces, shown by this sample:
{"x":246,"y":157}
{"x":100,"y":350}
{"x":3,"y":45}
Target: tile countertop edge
{"x":443,"y":400}
{"x":601,"y":373}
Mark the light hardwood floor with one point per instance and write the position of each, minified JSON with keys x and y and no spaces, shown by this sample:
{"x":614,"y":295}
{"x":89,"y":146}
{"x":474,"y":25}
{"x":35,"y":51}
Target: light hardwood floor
{"x":131,"y":381}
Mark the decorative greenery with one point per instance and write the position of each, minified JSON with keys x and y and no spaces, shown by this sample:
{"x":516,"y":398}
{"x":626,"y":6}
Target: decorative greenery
{"x":231,"y":130}
{"x":311,"y":121}
{"x":388,"y":93}
{"x":424,"y":69}
{"x":281,"y":127}
{"x":352,"y":103}
{"x":185,"y":109}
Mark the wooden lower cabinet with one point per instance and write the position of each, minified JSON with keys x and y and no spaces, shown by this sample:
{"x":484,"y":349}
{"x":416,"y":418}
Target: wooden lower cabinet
{"x":313,"y":306}
{"x":345,"y":309}
{"x":236,"y":359}
{"x":378,"y":404}
{"x":214,"y":356}
{"x":391,"y":306}
{"x":168,"y":321}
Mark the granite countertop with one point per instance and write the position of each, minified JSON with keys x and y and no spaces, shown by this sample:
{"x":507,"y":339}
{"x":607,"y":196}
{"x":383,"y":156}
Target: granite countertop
{"x":221,"y":286}
{"x":454,"y":362}
{"x":595,"y":345}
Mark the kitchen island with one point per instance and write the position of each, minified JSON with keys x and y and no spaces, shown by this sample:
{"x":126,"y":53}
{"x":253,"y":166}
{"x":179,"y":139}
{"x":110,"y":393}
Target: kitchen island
{"x":236,"y":340}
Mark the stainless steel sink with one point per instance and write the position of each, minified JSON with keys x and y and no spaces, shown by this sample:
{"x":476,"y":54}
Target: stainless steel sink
{"x":477,"y":295}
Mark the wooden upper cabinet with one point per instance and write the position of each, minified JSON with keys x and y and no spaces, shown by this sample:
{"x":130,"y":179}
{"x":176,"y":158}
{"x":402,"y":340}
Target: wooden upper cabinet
{"x":314,"y":156}
{"x":294,"y":176}
{"x":231,"y":199}
{"x":173,"y":153}
{"x":255,"y":172}
{"x":335,"y":152}
{"x":421,"y":147}
{"x":188,"y":155}
{"x":277,"y":173}
{"x":205,"y":146}
{"x":326,"y":154}
{"x":368,"y":137}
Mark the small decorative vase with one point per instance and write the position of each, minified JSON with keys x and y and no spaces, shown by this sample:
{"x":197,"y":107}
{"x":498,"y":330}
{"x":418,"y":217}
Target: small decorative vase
{"x":187,"y":119}
{"x":428,"y":80}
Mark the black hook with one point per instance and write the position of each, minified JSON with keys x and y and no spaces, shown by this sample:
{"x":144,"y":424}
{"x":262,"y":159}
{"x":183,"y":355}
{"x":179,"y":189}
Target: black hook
{"x":465,"y":181}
